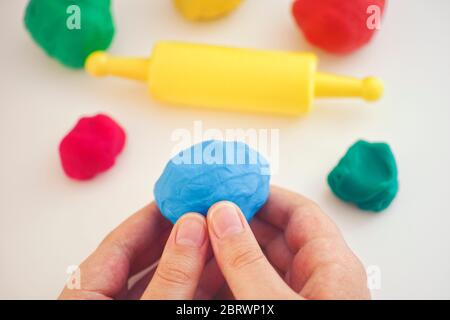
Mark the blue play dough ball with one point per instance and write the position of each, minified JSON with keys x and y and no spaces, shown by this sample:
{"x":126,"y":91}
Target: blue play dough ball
{"x":213,"y":171}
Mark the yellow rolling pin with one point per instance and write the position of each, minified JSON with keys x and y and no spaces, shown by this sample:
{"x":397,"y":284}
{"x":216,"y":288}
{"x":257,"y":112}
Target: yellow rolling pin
{"x":205,"y":9}
{"x":233,"y":79}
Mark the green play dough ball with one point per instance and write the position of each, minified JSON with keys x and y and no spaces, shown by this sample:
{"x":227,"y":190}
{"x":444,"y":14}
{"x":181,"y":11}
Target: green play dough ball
{"x":54,"y":26}
{"x":366,"y":176}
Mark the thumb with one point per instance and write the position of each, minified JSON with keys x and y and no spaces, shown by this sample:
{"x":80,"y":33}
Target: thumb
{"x":242,"y":262}
{"x":181,"y":265}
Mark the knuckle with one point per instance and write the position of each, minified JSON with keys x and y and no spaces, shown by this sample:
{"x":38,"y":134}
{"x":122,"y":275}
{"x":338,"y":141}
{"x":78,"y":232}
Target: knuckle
{"x":312,"y":216}
{"x":310,"y":208}
{"x":245,"y":256}
{"x":174,"y":274}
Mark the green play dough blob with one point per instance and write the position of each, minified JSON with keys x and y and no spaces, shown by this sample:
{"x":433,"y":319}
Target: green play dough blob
{"x":366,"y":176}
{"x":47,"y":22}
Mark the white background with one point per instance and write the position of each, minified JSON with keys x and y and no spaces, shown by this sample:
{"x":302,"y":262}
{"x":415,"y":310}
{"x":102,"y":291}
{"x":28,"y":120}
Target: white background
{"x":48,"y":222}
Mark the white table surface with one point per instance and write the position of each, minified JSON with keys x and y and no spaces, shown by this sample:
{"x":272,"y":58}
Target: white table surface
{"x":48,"y":222}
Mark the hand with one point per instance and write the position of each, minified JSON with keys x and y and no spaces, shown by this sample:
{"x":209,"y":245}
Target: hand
{"x":303,"y":256}
{"x":138,"y":243}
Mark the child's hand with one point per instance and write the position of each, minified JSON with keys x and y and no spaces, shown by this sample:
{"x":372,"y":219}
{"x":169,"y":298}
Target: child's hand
{"x":303,"y":255}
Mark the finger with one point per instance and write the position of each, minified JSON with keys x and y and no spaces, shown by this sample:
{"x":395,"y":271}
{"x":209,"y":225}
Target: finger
{"x":211,"y":281}
{"x":137,"y":289}
{"x":243,"y":264}
{"x":327,"y":269}
{"x":278,"y":253}
{"x":127,"y":249}
{"x":225,"y":293}
{"x":323,"y":265}
{"x":182,"y":262}
{"x":264,"y":232}
{"x":301,"y":218}
{"x":279,"y":206}
{"x":273,"y":243}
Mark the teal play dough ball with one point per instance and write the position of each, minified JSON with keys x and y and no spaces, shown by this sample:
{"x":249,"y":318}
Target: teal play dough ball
{"x":69,"y":30}
{"x":366,"y":176}
{"x":210,"y":172}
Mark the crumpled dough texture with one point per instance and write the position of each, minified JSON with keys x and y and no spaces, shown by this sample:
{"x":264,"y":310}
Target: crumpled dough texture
{"x":188,"y":187}
{"x":366,"y":176}
{"x":91,"y":147}
{"x":337,"y":26}
{"x":198,"y":10}
{"x":46,"y":20}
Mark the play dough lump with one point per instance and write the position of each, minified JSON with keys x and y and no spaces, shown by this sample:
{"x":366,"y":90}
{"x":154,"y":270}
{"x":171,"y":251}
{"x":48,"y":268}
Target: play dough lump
{"x":69,"y":30}
{"x":91,"y":147}
{"x":338,"y":26}
{"x":366,"y":176}
{"x":209,"y":172}
{"x":198,"y":10}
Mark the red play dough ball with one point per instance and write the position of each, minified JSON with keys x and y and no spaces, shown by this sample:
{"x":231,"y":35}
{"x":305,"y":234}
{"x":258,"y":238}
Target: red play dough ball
{"x":91,"y":147}
{"x":337,"y":26}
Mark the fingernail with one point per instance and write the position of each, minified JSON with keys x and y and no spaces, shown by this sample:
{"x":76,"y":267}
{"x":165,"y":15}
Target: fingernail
{"x":191,"y":232}
{"x":225,"y":220}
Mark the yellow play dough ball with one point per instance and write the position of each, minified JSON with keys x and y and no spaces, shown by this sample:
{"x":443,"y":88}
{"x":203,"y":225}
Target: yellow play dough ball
{"x":205,"y":9}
